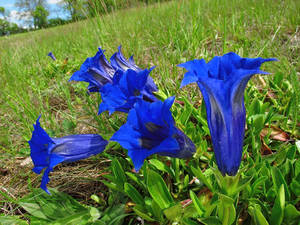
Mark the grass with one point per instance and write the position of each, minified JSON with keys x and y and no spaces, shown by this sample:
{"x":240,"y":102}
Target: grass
{"x":163,"y":35}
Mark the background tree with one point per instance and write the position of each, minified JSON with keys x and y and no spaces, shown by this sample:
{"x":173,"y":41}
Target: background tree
{"x":75,"y":8}
{"x":40,"y":15}
{"x":27,"y":8}
{"x":2,"y":10}
{"x":30,"y":5}
{"x":56,"y":22}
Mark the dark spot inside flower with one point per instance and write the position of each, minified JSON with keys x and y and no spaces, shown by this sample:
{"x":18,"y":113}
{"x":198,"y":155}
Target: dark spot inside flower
{"x":147,"y":143}
{"x":122,"y":65}
{"x":152,"y":127}
{"x":106,"y":66}
{"x":136,"y":92}
{"x":59,"y":148}
{"x":98,"y":77}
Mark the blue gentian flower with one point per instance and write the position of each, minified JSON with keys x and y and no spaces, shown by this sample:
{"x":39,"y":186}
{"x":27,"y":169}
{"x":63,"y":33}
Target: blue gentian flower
{"x":47,"y":152}
{"x":96,"y":70}
{"x":222,"y":82}
{"x":150,"y":129}
{"x":50,"y":54}
{"x":119,"y":62}
{"x":126,"y":89}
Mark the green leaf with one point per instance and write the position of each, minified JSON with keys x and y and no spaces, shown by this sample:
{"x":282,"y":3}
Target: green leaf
{"x":210,"y":221}
{"x":133,"y":194}
{"x":158,"y":190}
{"x":120,"y":177}
{"x":297,"y":168}
{"x":291,"y":215}
{"x":258,"y":121}
{"x":77,"y":218}
{"x":114,"y":215}
{"x":139,"y":210}
{"x":95,"y":198}
{"x":226,"y":209}
{"x":256,"y":214}
{"x":255,"y":107}
{"x":197,"y":203}
{"x":95,"y":214}
{"x":198,"y":173}
{"x":187,"y":221}
{"x":255,"y":186}
{"x":278,"y":208}
{"x":278,"y":179}
{"x":12,"y":220}
{"x":112,"y":186}
{"x":57,"y":208}
{"x":161,"y":166}
{"x":295,"y":187}
{"x":174,"y":212}
{"x":33,"y":209}
{"x":136,"y":179}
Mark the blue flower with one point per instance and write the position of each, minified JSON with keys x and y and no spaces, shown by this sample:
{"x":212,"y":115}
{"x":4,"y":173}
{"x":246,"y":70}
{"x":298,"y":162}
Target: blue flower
{"x":47,"y":152}
{"x":96,"y":70}
{"x":119,"y":62}
{"x":222,"y":82}
{"x":126,"y":89}
{"x":50,"y":54}
{"x":150,"y":129}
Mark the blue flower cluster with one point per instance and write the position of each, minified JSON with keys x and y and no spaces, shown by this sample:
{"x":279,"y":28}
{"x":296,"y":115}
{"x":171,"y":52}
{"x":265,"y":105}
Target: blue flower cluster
{"x":124,"y":87}
{"x":150,"y":128}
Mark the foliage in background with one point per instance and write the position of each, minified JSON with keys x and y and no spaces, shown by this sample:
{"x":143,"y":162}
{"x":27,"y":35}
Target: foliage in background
{"x":166,"y":190}
{"x":34,"y":13}
{"x":40,"y":17}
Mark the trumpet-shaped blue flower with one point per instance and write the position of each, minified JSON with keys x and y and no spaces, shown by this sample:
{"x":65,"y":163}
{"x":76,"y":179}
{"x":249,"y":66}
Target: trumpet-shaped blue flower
{"x":222,"y":82}
{"x":126,"y":89}
{"x":150,"y":129}
{"x":119,"y":62}
{"x":47,"y":152}
{"x":96,"y":70}
{"x":50,"y":54}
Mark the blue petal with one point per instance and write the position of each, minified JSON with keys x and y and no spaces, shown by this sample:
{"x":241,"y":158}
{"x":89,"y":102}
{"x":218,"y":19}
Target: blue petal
{"x":112,"y":98}
{"x":150,"y":85}
{"x":195,"y":69}
{"x":127,"y":137}
{"x":139,"y":155}
{"x":189,"y":77}
{"x":79,"y":146}
{"x":186,"y":147}
{"x":119,"y":62}
{"x":39,"y":144}
{"x":167,"y":115}
{"x":137,"y":81}
{"x":127,"y":88}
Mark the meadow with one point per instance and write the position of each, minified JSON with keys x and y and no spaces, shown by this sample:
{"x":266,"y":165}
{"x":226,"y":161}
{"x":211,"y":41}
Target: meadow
{"x":162,"y":35}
